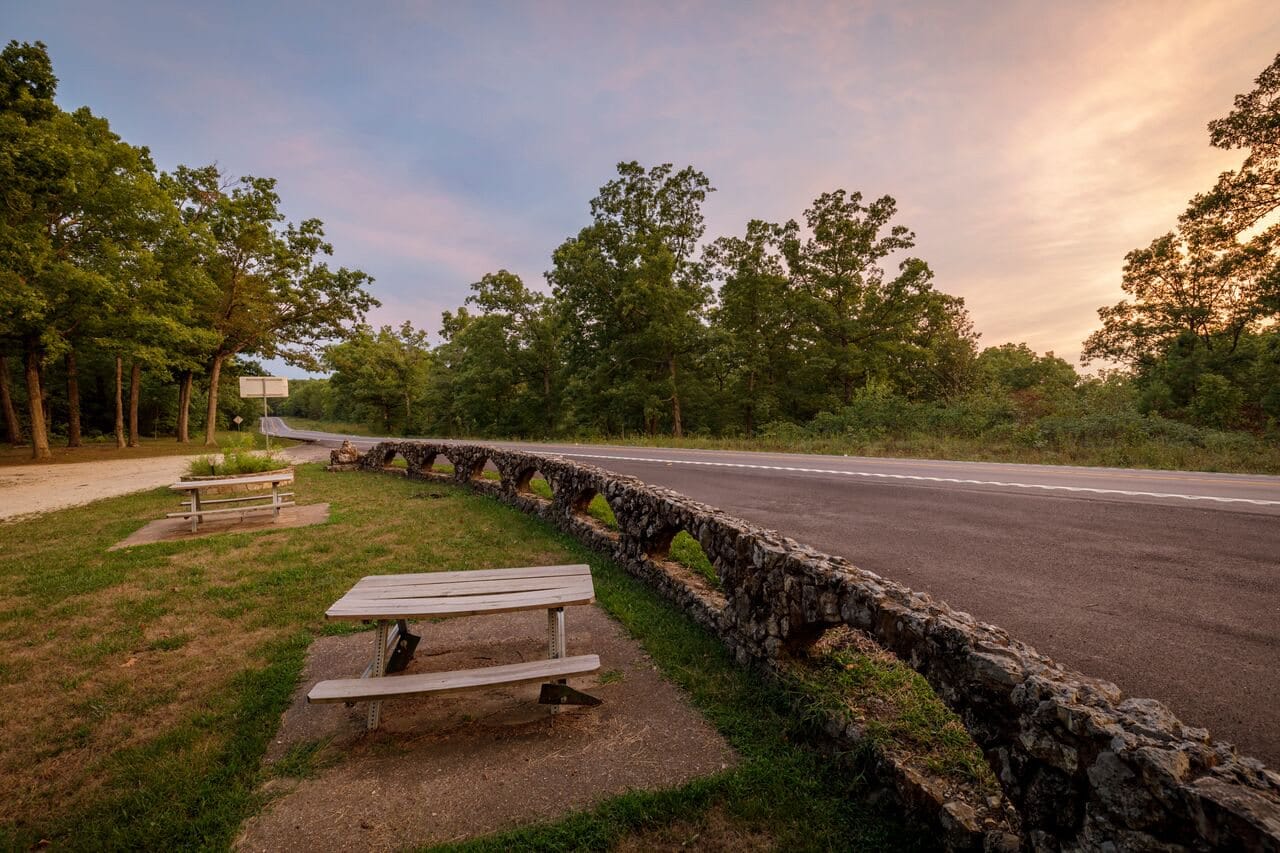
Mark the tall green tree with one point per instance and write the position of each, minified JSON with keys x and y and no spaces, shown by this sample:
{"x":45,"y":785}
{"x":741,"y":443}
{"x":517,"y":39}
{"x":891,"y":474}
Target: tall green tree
{"x":528,"y":337}
{"x":1203,"y":301}
{"x":273,"y":294}
{"x":81,"y":202}
{"x":383,"y":372}
{"x":864,"y":315}
{"x":34,"y":171}
{"x":760,"y":333}
{"x":633,"y":294}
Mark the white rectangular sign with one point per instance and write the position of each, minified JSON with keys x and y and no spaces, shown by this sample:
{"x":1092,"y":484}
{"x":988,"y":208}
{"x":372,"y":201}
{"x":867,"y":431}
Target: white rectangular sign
{"x":263,"y":386}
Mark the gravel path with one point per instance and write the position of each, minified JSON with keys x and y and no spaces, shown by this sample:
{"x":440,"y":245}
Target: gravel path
{"x":30,"y":489}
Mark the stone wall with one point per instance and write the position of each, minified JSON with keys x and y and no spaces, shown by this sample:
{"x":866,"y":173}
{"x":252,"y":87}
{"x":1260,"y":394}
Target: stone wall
{"x":1083,"y":766}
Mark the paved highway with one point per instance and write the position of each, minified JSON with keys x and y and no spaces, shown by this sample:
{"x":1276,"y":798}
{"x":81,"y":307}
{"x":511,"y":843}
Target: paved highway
{"x":1165,"y":582}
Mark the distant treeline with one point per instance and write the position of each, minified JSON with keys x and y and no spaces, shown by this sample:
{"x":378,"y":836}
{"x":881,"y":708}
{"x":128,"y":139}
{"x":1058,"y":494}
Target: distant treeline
{"x":133,"y":295}
{"x":829,"y":326}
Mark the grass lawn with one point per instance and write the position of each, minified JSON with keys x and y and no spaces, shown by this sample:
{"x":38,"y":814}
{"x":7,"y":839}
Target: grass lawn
{"x":139,"y":688}
{"x":102,"y":451}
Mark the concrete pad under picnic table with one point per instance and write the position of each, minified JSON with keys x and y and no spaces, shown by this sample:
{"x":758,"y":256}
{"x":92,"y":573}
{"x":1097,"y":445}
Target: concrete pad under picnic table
{"x":179,"y":529}
{"x":451,"y":767}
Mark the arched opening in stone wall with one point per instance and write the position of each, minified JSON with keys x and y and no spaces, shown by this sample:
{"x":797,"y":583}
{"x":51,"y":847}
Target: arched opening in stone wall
{"x":395,"y":462}
{"x":423,"y":464}
{"x":485,"y":470}
{"x":677,"y":545}
{"x":532,"y":483}
{"x":591,"y":506}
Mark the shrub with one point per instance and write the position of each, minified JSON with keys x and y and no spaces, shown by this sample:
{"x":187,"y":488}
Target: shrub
{"x":237,"y":457}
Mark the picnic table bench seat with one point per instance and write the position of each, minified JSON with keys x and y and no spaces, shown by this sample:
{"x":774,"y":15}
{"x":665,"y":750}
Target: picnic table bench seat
{"x":391,"y":600}
{"x":454,"y":681}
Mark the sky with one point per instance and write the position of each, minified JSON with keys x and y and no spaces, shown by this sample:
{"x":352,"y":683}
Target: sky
{"x":1029,"y":145}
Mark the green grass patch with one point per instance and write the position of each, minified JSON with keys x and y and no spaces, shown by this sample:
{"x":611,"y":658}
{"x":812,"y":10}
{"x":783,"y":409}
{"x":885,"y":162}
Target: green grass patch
{"x":686,"y":551}
{"x":846,"y":673}
{"x":158,"y":750}
{"x":600,"y":510}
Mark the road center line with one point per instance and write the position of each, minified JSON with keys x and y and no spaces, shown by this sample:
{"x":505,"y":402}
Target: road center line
{"x":880,"y":475}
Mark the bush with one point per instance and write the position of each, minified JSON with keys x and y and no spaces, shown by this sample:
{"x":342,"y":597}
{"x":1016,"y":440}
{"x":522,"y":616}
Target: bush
{"x":237,"y":457}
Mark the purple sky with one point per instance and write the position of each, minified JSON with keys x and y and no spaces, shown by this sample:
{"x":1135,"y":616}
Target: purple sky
{"x":1030,"y":145}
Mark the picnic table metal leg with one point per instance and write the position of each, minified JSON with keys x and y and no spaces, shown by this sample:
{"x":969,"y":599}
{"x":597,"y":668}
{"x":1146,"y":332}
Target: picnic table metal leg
{"x":275,"y":502}
{"x":555,"y":640}
{"x":379,"y":670}
{"x":555,"y":633}
{"x":559,"y":692}
{"x":195,"y":509}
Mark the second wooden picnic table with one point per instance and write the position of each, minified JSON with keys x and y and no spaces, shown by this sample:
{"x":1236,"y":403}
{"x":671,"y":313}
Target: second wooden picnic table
{"x":275,"y":500}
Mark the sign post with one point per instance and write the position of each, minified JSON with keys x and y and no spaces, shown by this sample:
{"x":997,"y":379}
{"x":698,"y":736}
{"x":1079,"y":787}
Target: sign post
{"x":252,"y":387}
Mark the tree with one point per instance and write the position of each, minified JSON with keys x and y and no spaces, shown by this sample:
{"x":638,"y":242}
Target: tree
{"x":12,"y":426}
{"x":860,"y":312}
{"x":529,"y":335}
{"x":1244,"y":197}
{"x":1181,"y":283}
{"x":382,"y":372}
{"x":756,"y":316}
{"x":632,"y":295}
{"x":273,"y":294}
{"x":33,"y":172}
{"x":1203,"y":299}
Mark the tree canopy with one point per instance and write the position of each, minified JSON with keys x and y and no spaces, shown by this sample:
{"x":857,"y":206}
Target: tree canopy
{"x":173,"y":274}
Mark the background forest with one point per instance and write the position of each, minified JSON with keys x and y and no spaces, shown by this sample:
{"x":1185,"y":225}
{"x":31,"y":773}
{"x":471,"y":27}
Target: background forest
{"x":130,"y":297}
{"x":827,"y":332}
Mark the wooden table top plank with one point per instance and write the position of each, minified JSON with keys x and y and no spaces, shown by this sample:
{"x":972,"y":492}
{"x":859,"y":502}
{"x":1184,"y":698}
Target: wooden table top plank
{"x":465,"y":589}
{"x":400,"y":686}
{"x":529,"y":597}
{"x":426,"y":608}
{"x":476,"y":575}
{"x":248,"y":480}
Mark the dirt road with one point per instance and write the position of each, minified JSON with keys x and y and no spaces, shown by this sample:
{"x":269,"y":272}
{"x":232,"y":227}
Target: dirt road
{"x":30,"y":489}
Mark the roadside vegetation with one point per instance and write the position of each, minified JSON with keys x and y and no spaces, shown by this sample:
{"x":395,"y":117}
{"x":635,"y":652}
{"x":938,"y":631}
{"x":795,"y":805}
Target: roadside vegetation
{"x":238,"y":456}
{"x":139,"y":688}
{"x":825,"y":333}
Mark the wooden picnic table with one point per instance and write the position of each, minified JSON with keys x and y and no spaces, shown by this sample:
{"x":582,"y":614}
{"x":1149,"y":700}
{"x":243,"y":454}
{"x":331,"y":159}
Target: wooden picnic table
{"x":391,"y":600}
{"x":197,"y":512}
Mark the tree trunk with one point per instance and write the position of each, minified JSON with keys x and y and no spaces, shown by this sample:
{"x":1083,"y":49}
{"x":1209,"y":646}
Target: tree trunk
{"x":135,"y":380}
{"x":677,"y":425}
{"x":751,"y":404}
{"x":119,"y":402}
{"x":184,"y":407}
{"x":35,"y":403}
{"x":546,"y":399}
{"x":73,"y":401}
{"x":12,"y":426}
{"x":211,"y":418}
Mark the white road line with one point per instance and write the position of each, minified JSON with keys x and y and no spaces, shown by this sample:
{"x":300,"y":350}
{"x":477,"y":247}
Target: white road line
{"x":879,"y":475}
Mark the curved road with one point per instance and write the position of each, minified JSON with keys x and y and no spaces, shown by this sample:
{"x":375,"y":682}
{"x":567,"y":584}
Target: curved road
{"x":1165,"y":582}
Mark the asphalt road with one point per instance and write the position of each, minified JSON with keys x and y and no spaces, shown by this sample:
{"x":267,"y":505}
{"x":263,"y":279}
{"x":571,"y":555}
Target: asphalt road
{"x":1165,"y":582}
